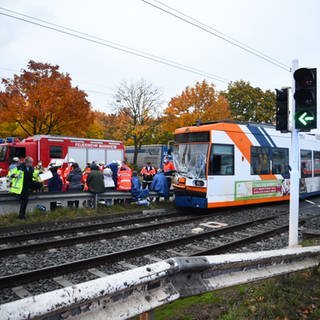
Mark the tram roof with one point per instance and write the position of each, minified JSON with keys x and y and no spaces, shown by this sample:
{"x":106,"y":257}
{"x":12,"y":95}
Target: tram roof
{"x":226,"y":125}
{"x":237,"y":126}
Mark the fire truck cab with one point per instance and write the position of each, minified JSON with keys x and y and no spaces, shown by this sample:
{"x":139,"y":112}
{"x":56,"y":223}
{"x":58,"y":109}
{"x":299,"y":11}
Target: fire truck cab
{"x":48,"y":148}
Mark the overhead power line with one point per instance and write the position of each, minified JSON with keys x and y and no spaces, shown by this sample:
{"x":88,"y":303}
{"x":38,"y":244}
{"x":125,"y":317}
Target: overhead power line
{"x":214,"y":32}
{"x":100,"y":41}
{"x":86,"y":90}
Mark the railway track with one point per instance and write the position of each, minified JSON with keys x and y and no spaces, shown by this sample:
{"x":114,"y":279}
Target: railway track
{"x":84,"y":224}
{"x":169,"y":220}
{"x":214,"y":241}
{"x":60,"y":269}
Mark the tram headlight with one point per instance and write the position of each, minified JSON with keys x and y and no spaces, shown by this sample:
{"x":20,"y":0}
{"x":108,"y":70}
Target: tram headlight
{"x":182,"y":180}
{"x":198,"y":183}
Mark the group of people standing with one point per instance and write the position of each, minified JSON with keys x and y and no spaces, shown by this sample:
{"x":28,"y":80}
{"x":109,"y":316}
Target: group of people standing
{"x":96,"y":178}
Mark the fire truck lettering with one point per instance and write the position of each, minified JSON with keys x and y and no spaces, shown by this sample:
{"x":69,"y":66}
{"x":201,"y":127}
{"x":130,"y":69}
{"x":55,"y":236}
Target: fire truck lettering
{"x":86,"y":145}
{"x":106,"y":146}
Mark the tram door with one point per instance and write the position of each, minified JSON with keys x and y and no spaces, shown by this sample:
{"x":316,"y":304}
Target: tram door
{"x":221,"y":173}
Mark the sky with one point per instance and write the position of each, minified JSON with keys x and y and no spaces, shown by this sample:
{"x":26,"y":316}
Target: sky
{"x":282,"y":29}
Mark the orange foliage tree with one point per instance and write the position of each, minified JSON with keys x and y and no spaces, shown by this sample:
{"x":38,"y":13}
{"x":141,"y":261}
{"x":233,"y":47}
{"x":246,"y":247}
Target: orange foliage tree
{"x":199,"y":103}
{"x":41,"y":100}
{"x":97,"y":129}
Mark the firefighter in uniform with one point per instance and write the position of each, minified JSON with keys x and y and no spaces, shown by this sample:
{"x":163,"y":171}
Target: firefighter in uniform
{"x":23,"y":181}
{"x":65,"y":174}
{"x":147,"y":172}
{"x":168,"y":169}
{"x":124,"y":177}
{"x":85,"y":174}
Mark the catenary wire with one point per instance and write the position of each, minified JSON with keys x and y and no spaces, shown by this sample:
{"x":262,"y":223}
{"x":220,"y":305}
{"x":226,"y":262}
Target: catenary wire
{"x":222,"y":33}
{"x":86,"y":90}
{"x":104,"y":40}
{"x":115,"y":46}
{"x":196,"y":23}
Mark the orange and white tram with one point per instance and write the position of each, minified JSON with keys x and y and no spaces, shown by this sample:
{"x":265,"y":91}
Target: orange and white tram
{"x":229,"y":164}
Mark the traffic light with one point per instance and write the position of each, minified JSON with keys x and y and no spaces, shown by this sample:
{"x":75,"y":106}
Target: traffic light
{"x":282,"y":109}
{"x":306,"y":99}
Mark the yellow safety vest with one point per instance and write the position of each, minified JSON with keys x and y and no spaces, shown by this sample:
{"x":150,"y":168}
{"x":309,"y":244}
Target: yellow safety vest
{"x":17,"y":180}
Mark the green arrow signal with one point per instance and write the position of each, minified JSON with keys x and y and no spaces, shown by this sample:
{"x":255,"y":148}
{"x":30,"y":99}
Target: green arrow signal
{"x":305,"y":118}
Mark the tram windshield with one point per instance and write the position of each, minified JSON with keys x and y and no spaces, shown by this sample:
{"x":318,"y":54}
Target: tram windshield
{"x":190,"y":160}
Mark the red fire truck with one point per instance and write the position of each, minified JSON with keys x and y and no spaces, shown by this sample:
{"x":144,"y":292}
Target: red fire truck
{"x":47,"y":148}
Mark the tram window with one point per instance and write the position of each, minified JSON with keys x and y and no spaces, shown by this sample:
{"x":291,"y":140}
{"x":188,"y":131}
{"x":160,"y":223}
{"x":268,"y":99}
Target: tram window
{"x":306,"y":163}
{"x":56,"y":152}
{"x":316,"y":163}
{"x":202,"y":136}
{"x":260,"y":160}
{"x":222,"y":160}
{"x":280,"y":160}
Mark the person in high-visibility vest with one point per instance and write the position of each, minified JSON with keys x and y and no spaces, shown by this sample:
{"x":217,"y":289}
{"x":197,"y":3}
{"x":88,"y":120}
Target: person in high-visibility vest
{"x":85,"y":173}
{"x":147,"y":172}
{"x":168,"y":165}
{"x":124,"y":177}
{"x":65,"y":172}
{"x":23,"y":181}
{"x":168,"y":169}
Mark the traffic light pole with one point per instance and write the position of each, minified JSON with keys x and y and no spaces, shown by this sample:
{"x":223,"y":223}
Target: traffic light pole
{"x":295,"y":171}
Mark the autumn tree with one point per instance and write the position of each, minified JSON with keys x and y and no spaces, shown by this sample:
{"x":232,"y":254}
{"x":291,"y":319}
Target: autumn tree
{"x":250,"y":104}
{"x":201,"y":102}
{"x":136,"y":114}
{"x":97,"y":127}
{"x":41,"y":100}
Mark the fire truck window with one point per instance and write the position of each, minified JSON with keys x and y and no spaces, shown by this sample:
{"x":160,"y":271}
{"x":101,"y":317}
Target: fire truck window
{"x":3,"y":151}
{"x":56,"y":152}
{"x":260,"y":160}
{"x":306,"y":163}
{"x":222,"y":160}
{"x":19,"y":152}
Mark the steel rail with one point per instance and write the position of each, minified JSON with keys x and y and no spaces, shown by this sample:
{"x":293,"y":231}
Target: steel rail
{"x":237,"y":243}
{"x":75,"y":229}
{"x":35,"y":225}
{"x":52,"y":271}
{"x":260,"y":236}
{"x":69,"y":241}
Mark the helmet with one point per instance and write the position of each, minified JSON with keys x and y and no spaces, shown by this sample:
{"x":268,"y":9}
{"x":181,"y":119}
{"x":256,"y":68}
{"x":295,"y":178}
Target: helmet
{"x":71,"y":160}
{"x":59,"y":163}
{"x":15,"y":159}
{"x":101,"y":163}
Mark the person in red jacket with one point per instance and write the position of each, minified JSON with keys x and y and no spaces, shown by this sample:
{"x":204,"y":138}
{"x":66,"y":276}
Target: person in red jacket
{"x":65,"y":172}
{"x":168,"y":169}
{"x":85,"y":174}
{"x":147,"y":172}
{"x":168,"y":165}
{"x":124,"y":177}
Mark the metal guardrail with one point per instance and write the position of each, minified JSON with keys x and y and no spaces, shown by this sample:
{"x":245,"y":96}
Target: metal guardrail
{"x":130,"y":293}
{"x":10,"y":203}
